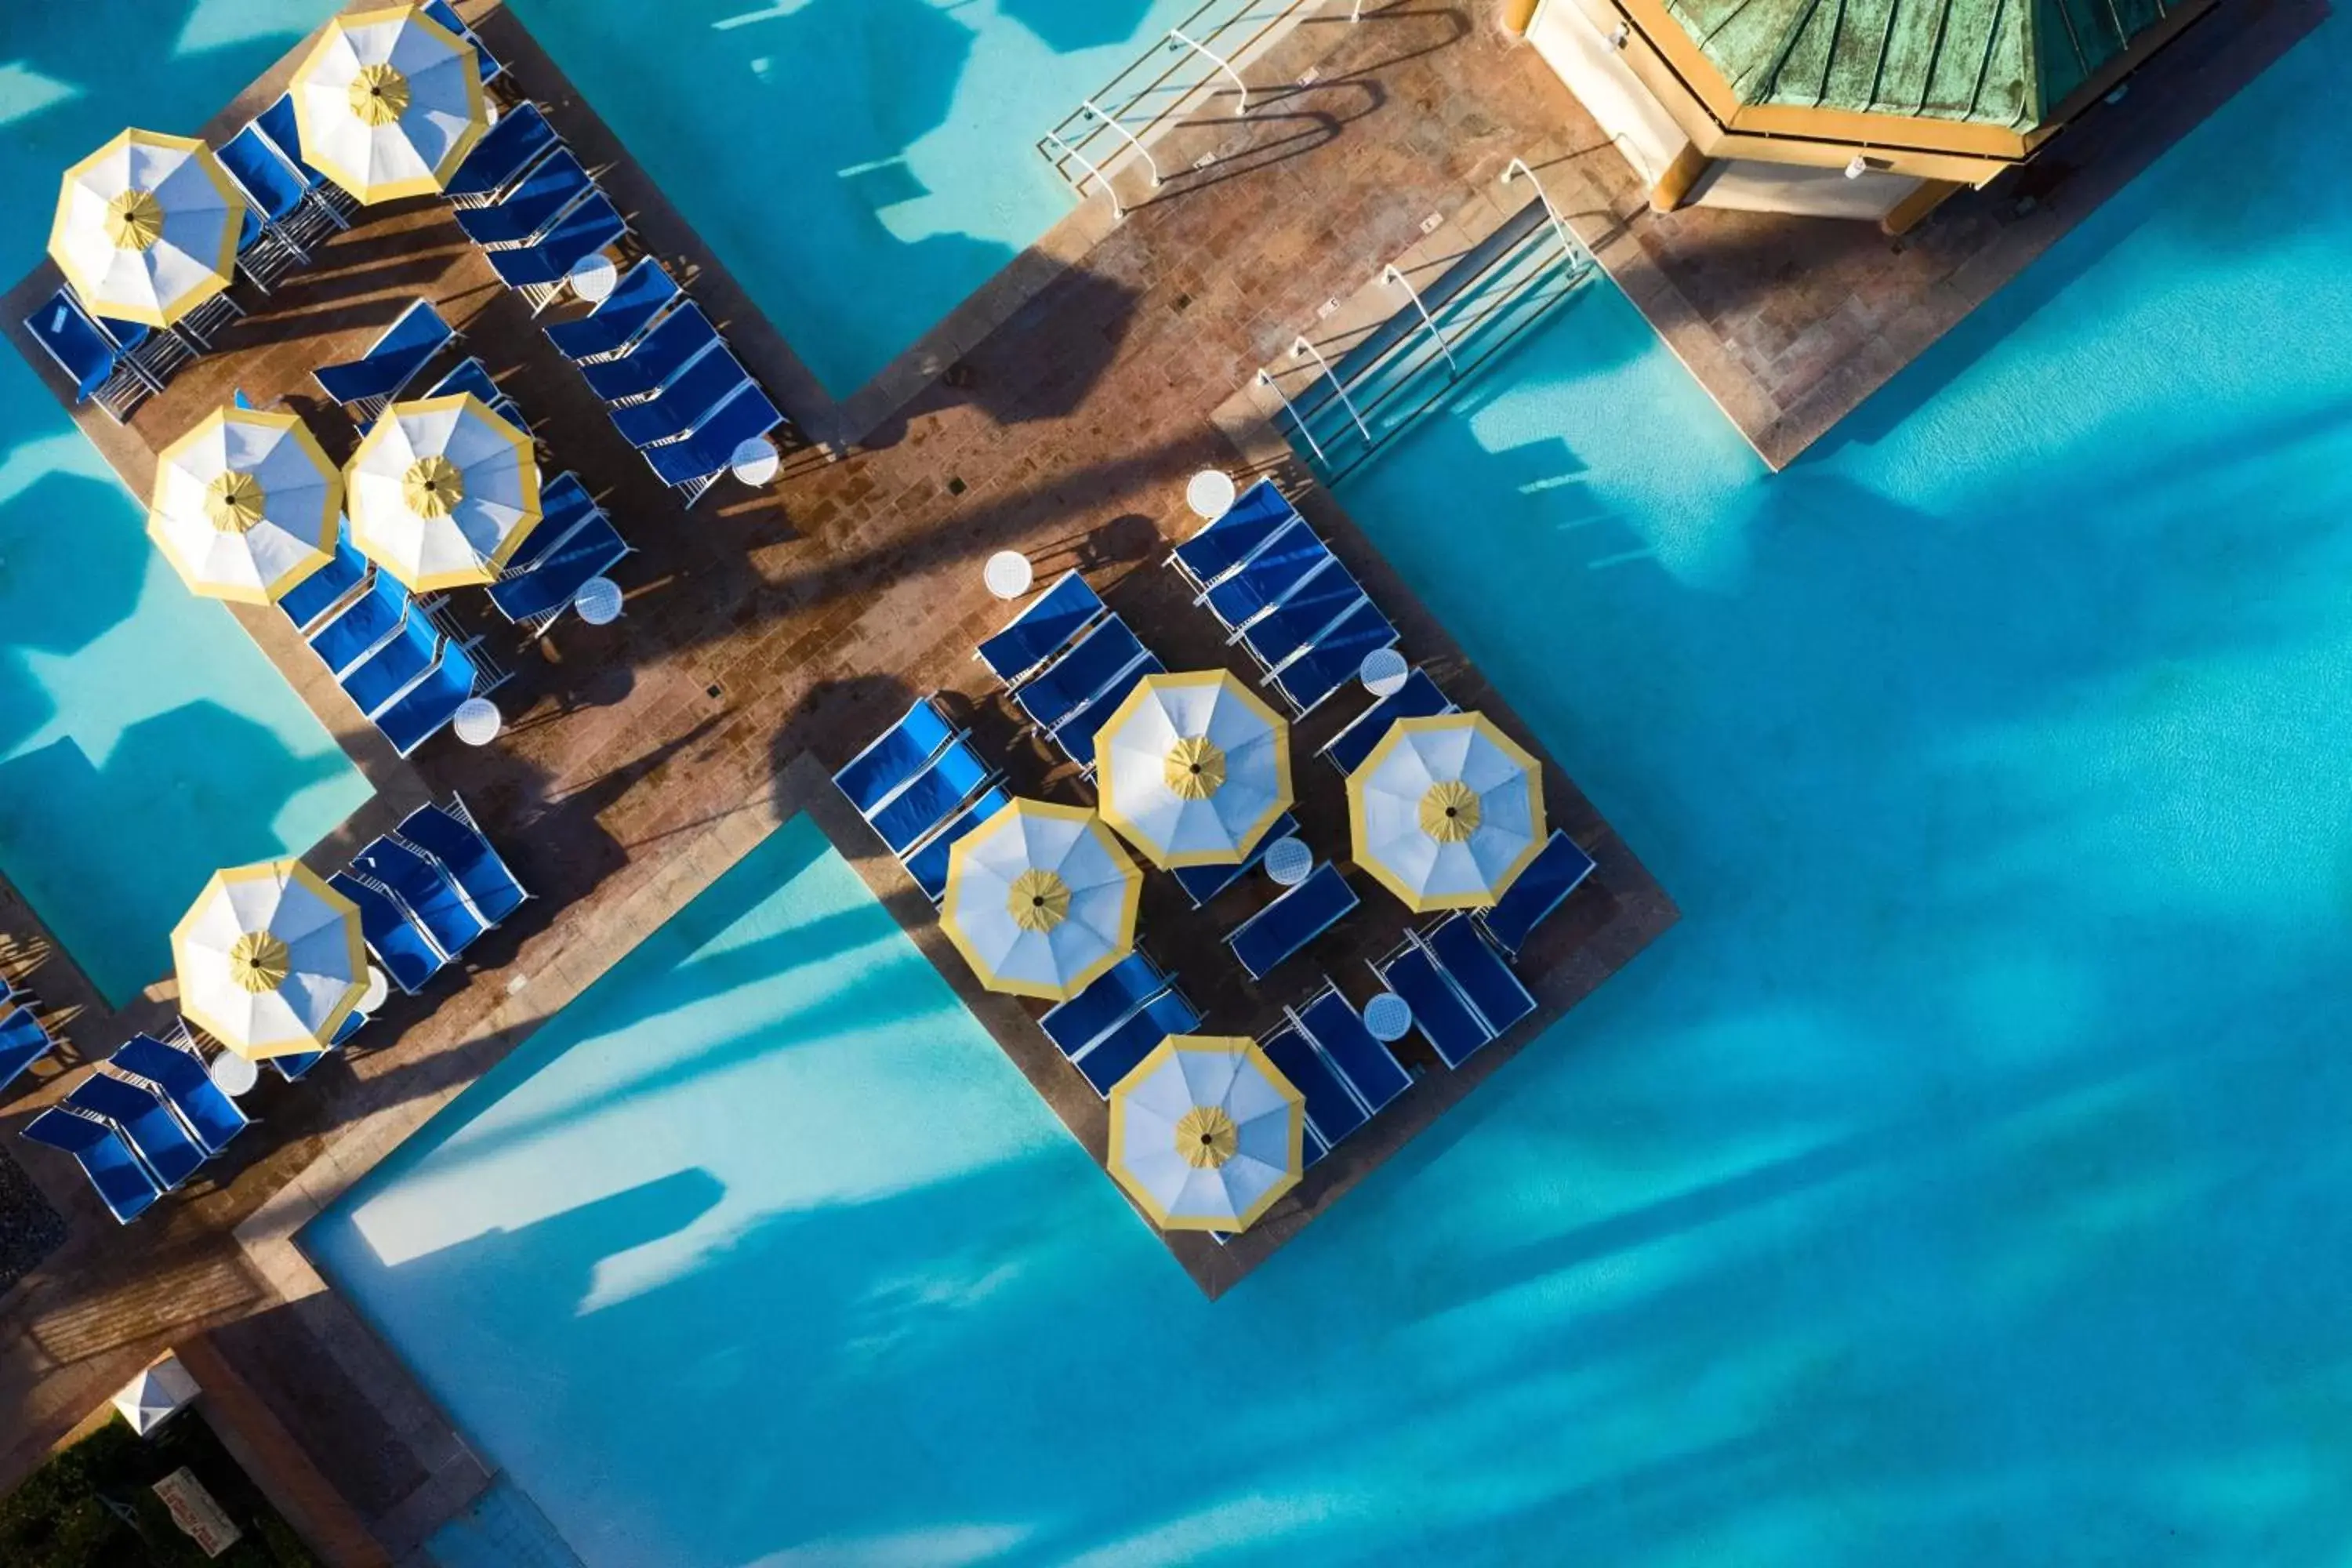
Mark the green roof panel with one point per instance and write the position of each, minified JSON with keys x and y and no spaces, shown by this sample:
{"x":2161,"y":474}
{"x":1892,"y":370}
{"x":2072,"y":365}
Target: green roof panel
{"x":1989,"y":62}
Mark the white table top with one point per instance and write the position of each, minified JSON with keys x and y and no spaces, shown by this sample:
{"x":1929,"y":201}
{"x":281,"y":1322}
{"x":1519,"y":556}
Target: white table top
{"x":233,"y":1075}
{"x":1384,"y":671}
{"x":593,"y":276}
{"x":598,"y":601}
{"x":1210,"y":493}
{"x":478,"y":721}
{"x":378,"y":988}
{"x":1288,"y":861}
{"x":756,"y":461}
{"x":1008,"y":573}
{"x":1387,"y":1017}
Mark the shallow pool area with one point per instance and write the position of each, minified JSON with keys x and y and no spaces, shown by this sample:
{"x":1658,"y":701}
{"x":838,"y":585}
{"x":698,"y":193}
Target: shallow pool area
{"x":859,"y":166}
{"x":144,"y":739}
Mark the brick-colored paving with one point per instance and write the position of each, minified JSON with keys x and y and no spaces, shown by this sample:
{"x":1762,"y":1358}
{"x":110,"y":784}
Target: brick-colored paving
{"x":766,"y":635}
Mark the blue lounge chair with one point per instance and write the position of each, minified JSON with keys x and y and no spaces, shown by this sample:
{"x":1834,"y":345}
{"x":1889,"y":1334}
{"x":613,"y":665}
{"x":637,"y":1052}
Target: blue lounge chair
{"x":1300,"y":915}
{"x":895,"y":756}
{"x":1332,"y":1111}
{"x":1446,"y":1021}
{"x":536,"y":596}
{"x":426,"y":708}
{"x":210,"y":1115}
{"x":155,"y":354}
{"x":693,"y":465}
{"x":537,"y":271}
{"x":366,"y":384}
{"x":932,"y":796}
{"x":563,"y":500}
{"x":1042,"y":629}
{"x":1076,"y":734}
{"x":1064,"y":688}
{"x":364,"y":625}
{"x":660,"y":354}
{"x":449,"y":834}
{"x":469,"y":375}
{"x":507,"y":148}
{"x":643,"y":292}
{"x":487,"y":65}
{"x":1288,"y":561}
{"x":98,"y":369}
{"x":277,"y":192}
{"x":279,"y":126}
{"x":929,"y":860}
{"x":23,"y":1042}
{"x":1558,"y":869}
{"x":263,"y":255}
{"x":430,"y":897}
{"x":1108,"y":1000}
{"x":1256,"y":516}
{"x":1482,"y":974}
{"x":407,"y":954}
{"x":1418,"y":698}
{"x":1201,"y":883}
{"x":167,"y":1148}
{"x":399,"y":662}
{"x":685,"y":402}
{"x":1116,"y":1055}
{"x":526,"y":211}
{"x":121,"y":1182}
{"x":1369,"y":1068}
{"x":330,"y":587}
{"x":1335,"y":657}
{"x":1319,"y":603}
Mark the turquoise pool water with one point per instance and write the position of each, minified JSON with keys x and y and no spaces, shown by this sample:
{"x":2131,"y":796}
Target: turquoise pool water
{"x":860,"y":166}
{"x":143,"y":738}
{"x":1965,"y":1170}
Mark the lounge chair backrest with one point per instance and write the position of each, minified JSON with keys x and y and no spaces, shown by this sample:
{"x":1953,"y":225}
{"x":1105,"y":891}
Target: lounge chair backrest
{"x":320,"y":592}
{"x":23,"y":1042}
{"x":124,"y":1184}
{"x":542,"y":196}
{"x":658,"y":356}
{"x":423,"y":711}
{"x":407,"y":954}
{"x":744,"y":413}
{"x":395,"y":665}
{"x":172,"y":1156}
{"x":1313,"y":606}
{"x":213,"y":1115}
{"x":490,"y":885}
{"x":263,"y":173}
{"x":1334,"y":657}
{"x":1300,"y":915}
{"x":1446,"y":1021}
{"x":1293,"y":556}
{"x":1042,"y":627}
{"x":711,"y":378}
{"x":1332,"y":1111}
{"x":471,"y":375}
{"x":1077,"y":1024}
{"x":1369,"y":1068}
{"x":283,"y":131}
{"x":1480,"y":974}
{"x":432,"y":898}
{"x":895,"y":756}
{"x":1558,"y":870}
{"x":586,"y":228}
{"x":643,"y":292}
{"x":1116,"y":1055}
{"x":504,"y":151}
{"x":588,"y":548}
{"x":930,"y":860}
{"x":1201,"y":883}
{"x":1071,"y":680}
{"x":73,"y":339}
{"x":931,"y":796}
{"x":1418,"y":698}
{"x":1257,"y":514}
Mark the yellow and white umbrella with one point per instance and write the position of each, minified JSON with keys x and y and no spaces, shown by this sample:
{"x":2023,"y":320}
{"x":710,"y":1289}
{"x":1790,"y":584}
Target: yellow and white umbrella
{"x":1446,"y":812}
{"x":388,"y":104}
{"x":442,"y":491}
{"x":1041,"y":900}
{"x":1193,"y":769}
{"x":245,"y":505}
{"x":146,"y":227}
{"x":270,"y":960}
{"x":1206,"y":1133}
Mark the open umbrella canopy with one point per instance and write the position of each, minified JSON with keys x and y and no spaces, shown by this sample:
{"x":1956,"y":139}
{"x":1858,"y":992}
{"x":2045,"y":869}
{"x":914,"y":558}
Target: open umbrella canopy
{"x":245,"y":505}
{"x":1041,"y":900}
{"x":146,"y":227}
{"x":388,"y":104}
{"x":1446,"y":812}
{"x":1206,"y":1133}
{"x":1194,"y":768}
{"x":441,"y":491}
{"x":270,"y":960}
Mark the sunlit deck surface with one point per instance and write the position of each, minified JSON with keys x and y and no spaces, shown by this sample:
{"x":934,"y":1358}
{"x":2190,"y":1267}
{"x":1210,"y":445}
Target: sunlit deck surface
{"x":768,"y":636}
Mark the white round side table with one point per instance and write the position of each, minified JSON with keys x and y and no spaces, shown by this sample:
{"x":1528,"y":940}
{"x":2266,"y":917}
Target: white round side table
{"x":1384,"y":671}
{"x":233,"y":1075}
{"x":477,"y":722}
{"x":1210,"y":494}
{"x":592,"y":278}
{"x":598,"y":601}
{"x":756,"y":461}
{"x":378,"y":988}
{"x":1288,"y":861}
{"x":1387,"y":1017}
{"x":1008,"y":573}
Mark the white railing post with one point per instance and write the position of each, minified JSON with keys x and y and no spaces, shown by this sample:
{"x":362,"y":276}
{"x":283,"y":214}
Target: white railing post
{"x":1117,"y":211}
{"x":1577,"y":252}
{"x":1181,"y":36}
{"x":1088,"y":106}
{"x":1302,"y":348}
{"x":1396,"y":279}
{"x":1274,"y":386}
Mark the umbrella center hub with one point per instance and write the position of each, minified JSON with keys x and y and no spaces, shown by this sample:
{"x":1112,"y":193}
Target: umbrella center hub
{"x":379,"y":95}
{"x":1195,"y":768}
{"x":235,"y":501}
{"x":433,"y":487}
{"x":1039,"y":901}
{"x":134,"y":219}
{"x":1449,"y":811}
{"x":1206,"y":1137}
{"x":258,"y":962}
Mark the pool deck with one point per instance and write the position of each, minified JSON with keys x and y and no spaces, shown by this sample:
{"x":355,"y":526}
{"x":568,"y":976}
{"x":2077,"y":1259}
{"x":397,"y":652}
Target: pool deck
{"x":768,"y":635}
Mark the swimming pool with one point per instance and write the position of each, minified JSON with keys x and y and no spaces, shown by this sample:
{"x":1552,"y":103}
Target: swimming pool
{"x":859,"y":166}
{"x":143,"y":738}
